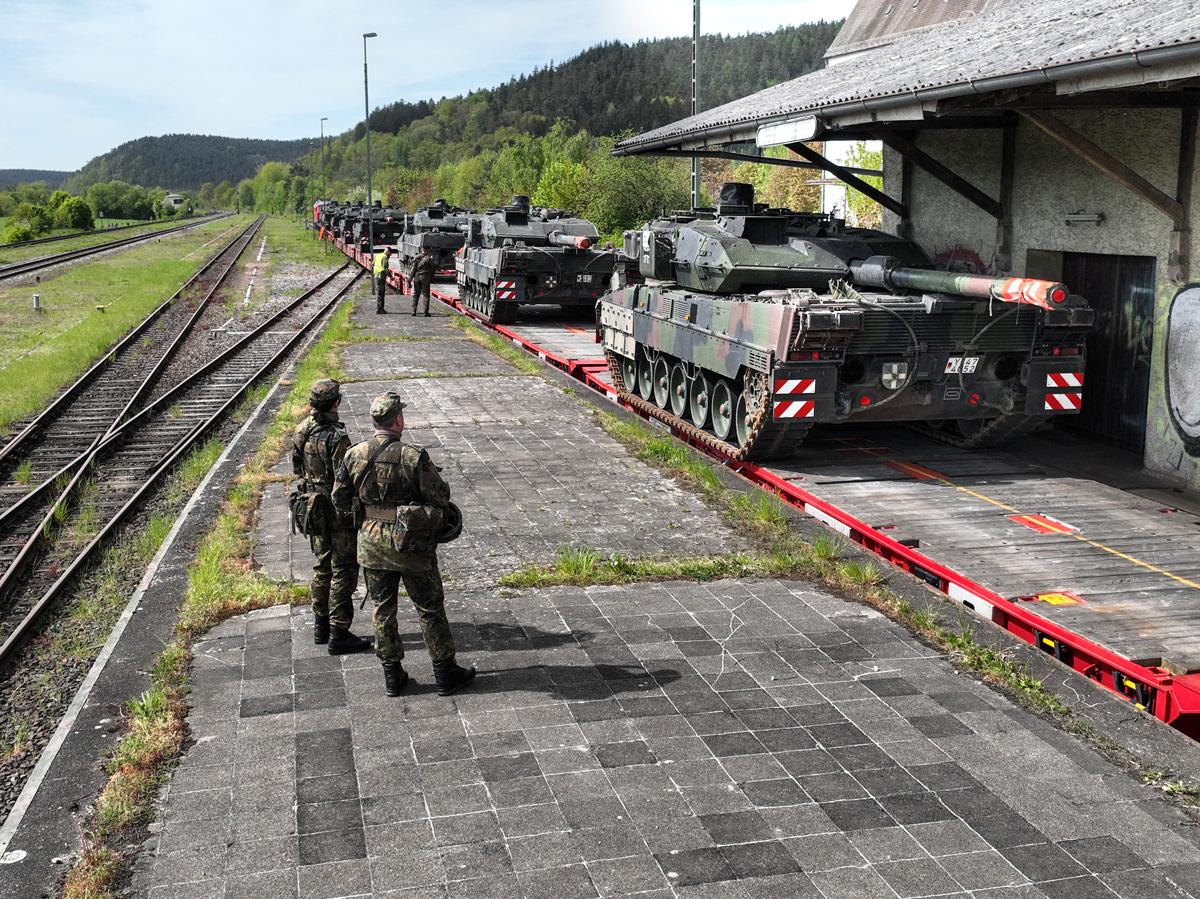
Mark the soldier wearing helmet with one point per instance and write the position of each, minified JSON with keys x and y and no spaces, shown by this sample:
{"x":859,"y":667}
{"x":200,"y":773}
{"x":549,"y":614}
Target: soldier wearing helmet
{"x":405,"y":512}
{"x":319,"y":443}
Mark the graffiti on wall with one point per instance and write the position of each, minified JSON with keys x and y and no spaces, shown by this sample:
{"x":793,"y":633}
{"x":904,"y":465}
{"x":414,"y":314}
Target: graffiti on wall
{"x":1182,"y":367}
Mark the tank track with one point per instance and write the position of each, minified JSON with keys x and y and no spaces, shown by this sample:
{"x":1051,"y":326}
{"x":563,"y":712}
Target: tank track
{"x":767,"y":438}
{"x":996,"y":432}
{"x":496,"y":313}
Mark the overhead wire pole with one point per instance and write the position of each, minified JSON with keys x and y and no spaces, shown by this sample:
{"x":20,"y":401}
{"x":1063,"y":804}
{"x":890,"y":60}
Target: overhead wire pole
{"x":324,"y":193}
{"x":695,"y":95}
{"x":367,"y":122}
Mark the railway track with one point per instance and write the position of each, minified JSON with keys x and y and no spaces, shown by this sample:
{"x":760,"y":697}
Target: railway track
{"x":122,"y":467}
{"x":31,"y":266}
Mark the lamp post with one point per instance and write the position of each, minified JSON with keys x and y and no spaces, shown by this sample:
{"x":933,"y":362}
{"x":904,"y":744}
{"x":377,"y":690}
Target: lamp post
{"x":695,"y":95}
{"x":324,"y":119}
{"x":367,"y":122}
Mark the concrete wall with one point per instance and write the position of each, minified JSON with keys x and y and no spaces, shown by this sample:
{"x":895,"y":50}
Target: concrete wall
{"x":1051,"y":182}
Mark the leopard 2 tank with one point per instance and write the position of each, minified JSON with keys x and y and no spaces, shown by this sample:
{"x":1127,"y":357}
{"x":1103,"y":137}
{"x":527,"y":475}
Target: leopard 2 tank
{"x":754,"y":325}
{"x":437,"y":227}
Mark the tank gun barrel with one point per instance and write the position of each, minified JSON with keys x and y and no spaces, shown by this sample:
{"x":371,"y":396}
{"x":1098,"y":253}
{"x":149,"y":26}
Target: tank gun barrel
{"x":559,"y":239}
{"x":881,"y":271}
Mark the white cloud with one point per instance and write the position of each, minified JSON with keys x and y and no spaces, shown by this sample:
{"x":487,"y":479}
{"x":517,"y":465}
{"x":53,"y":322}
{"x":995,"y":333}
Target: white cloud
{"x":78,"y":77}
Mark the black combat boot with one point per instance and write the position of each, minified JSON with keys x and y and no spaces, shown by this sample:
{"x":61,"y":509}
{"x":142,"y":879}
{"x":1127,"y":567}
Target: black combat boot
{"x":450,"y":676}
{"x":321,"y":630}
{"x":342,"y":642}
{"x":395,"y":678}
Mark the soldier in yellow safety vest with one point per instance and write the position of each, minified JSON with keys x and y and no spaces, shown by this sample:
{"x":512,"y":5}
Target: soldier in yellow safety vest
{"x":382,"y":260}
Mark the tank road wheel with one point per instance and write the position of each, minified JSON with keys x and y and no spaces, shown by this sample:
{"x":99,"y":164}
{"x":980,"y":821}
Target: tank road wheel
{"x":679,"y":390}
{"x":724,"y":405}
{"x":742,"y":420}
{"x":662,"y":383}
{"x":629,"y":374}
{"x":699,"y":399}
{"x":645,"y":378}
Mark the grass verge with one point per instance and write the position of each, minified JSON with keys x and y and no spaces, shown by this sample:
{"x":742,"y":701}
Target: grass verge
{"x":221,"y":582}
{"x":519,"y":359}
{"x":88,"y":308}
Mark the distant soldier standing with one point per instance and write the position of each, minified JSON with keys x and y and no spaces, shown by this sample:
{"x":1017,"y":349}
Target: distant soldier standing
{"x":423,"y":269}
{"x":318,"y":446}
{"x":382,"y":261}
{"x":404,"y":504}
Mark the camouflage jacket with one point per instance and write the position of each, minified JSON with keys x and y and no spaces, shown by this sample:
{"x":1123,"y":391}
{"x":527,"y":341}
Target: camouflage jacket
{"x":318,"y":445}
{"x":401,"y":475}
{"x":424,"y":267}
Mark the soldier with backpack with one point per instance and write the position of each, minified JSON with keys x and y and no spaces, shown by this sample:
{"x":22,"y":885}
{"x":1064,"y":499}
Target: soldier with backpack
{"x":398,"y":494}
{"x":318,"y":446}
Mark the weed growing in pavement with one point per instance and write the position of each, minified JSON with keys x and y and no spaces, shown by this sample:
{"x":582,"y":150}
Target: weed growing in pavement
{"x":1162,"y":779}
{"x":176,"y":411}
{"x":519,"y":359}
{"x":222,"y":582}
{"x":23,"y":472}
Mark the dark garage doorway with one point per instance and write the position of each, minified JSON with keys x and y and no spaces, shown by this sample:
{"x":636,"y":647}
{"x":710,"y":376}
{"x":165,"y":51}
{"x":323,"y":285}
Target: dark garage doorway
{"x":1117,"y":385}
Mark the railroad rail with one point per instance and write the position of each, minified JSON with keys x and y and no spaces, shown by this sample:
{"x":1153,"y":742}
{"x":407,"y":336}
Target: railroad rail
{"x":130,"y":459}
{"x":16,"y":245}
{"x":1105,"y":582}
{"x":30,"y":266}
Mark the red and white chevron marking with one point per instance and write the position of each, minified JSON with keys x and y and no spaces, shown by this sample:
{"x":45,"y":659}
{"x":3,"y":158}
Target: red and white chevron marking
{"x":794,"y":386}
{"x":794,"y":409}
{"x":1064,"y":379}
{"x":1064,"y":402}
{"x":506,"y":290}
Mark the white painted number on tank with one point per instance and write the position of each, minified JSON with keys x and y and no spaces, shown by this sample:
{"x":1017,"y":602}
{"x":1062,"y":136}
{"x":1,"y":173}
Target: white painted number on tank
{"x":964,"y":364}
{"x":585,"y":279}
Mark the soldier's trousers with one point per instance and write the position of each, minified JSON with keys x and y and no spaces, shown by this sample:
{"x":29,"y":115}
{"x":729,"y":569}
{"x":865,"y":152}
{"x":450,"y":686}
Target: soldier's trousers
{"x":420,"y":290}
{"x":423,"y":582}
{"x":380,"y":290}
{"x":335,"y":575}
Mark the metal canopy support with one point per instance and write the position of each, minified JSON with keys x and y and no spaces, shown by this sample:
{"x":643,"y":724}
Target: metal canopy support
{"x":1179,"y":262}
{"x":951,"y":179}
{"x":845,"y":175}
{"x":1008,"y":170}
{"x":1107,"y":163}
{"x":905,"y":230}
{"x":765,"y":160}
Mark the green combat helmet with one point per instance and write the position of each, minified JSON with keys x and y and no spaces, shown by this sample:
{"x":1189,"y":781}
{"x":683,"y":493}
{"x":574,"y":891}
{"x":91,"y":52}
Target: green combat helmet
{"x":324,"y":393}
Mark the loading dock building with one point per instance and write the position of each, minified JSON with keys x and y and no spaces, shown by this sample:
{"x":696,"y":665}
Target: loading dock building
{"x":1052,"y":138}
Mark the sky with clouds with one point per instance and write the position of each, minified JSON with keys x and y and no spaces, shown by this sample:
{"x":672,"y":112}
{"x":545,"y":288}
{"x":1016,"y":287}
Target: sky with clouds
{"x":78,"y":77}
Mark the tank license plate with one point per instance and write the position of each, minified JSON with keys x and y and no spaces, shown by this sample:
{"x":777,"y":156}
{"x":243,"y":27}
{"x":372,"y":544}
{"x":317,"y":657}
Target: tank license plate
{"x":584,"y":279}
{"x":964,"y":364}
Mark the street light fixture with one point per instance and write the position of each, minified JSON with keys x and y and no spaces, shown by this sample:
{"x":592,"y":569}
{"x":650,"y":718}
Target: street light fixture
{"x":324,"y":119}
{"x":370,"y":202}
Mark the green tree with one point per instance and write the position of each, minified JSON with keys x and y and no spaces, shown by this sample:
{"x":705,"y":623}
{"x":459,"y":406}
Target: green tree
{"x":74,"y":212}
{"x":861,"y":209}
{"x":559,"y":185}
{"x":245,"y":195}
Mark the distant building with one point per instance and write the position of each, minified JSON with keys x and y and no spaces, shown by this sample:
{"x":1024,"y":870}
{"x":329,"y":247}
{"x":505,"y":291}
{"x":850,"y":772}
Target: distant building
{"x":174,"y":201}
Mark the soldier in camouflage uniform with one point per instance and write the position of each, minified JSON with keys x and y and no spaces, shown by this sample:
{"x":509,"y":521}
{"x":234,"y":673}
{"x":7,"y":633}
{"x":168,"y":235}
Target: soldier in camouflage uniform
{"x":403,"y":499}
{"x":319,"y":443}
{"x":424,"y":267}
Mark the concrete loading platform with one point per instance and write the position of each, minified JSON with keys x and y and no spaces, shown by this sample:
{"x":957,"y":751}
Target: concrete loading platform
{"x":731,"y":739}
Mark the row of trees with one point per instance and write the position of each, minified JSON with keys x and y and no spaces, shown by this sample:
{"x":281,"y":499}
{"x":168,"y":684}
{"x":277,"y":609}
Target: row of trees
{"x":33,"y":210}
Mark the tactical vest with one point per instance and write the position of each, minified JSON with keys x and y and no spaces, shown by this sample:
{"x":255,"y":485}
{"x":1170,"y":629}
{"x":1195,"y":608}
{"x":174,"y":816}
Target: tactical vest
{"x":391,"y":480}
{"x":317,"y":454}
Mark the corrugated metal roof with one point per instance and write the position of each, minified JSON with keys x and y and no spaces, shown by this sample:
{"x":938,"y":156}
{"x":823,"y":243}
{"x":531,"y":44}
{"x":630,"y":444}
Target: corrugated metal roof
{"x":1021,"y":36}
{"x":875,"y":22}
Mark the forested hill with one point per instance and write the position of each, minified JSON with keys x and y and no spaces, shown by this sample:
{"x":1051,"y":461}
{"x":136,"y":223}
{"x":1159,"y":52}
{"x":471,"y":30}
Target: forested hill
{"x":186,"y":161}
{"x":9,"y":177}
{"x":615,"y":87}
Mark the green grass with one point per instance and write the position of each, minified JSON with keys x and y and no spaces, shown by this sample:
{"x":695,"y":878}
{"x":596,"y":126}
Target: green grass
{"x":288,"y":240}
{"x":23,"y":472}
{"x":41,"y":352}
{"x":85,"y":239}
{"x":519,"y":359}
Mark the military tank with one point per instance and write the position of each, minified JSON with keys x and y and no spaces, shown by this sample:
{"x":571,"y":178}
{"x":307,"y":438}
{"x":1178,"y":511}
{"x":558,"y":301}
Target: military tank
{"x":439,"y":228}
{"x":385,"y":223}
{"x":755,"y":324}
{"x":514,"y":256}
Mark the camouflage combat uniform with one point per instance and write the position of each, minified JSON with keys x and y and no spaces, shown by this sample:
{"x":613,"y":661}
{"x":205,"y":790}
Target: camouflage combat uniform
{"x":318,"y":446}
{"x":401,"y":474}
{"x":424,"y":267}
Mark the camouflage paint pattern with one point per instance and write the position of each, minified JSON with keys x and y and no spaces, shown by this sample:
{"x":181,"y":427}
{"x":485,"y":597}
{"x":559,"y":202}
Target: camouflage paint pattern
{"x":423,"y":582}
